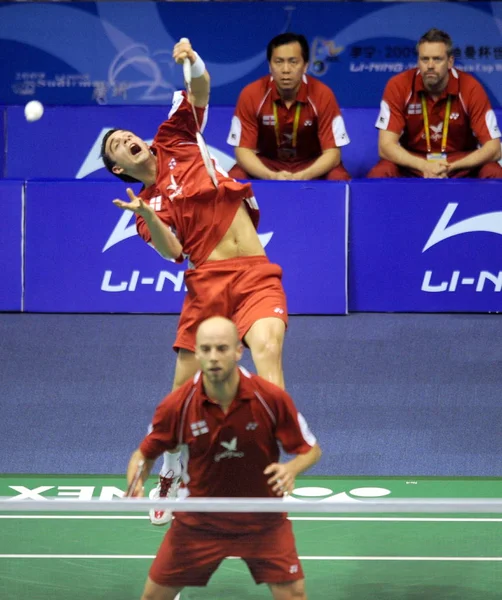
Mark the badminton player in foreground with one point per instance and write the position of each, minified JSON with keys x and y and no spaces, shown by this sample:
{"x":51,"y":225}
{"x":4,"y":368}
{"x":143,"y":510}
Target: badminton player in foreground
{"x":230,"y":423}
{"x":190,"y":209}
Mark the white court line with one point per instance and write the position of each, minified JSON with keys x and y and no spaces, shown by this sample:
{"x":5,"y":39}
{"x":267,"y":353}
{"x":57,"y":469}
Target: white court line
{"x":396,"y":519}
{"x":383,"y":558}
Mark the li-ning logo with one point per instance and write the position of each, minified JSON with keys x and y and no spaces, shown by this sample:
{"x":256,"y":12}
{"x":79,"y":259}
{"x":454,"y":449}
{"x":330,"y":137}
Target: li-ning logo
{"x":490,"y":222}
{"x":230,"y":450}
{"x":198,"y":428}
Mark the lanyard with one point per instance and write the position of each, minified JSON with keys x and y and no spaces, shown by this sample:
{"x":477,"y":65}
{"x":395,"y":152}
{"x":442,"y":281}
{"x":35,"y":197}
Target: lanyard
{"x":295,"y":124}
{"x":446,"y":123}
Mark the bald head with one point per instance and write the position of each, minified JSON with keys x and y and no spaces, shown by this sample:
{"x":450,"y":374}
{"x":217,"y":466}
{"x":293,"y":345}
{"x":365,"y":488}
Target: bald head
{"x":218,"y":349}
{"x":220,"y":327}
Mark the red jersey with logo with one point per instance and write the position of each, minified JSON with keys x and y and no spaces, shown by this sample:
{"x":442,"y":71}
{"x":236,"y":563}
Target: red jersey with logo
{"x":184,"y":196}
{"x":320,"y":124}
{"x":472,"y":120}
{"x":224,"y":455}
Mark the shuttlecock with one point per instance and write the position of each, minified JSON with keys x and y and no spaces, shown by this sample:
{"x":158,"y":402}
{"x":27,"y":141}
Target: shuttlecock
{"x":33,"y":110}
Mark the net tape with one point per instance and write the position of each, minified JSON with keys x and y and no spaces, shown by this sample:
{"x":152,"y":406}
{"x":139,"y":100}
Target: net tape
{"x":261,"y":505}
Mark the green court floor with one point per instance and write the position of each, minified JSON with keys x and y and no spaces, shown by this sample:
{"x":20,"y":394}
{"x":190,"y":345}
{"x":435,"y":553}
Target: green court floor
{"x":353,"y":557}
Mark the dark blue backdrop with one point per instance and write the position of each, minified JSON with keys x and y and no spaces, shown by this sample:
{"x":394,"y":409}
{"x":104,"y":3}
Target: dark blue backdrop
{"x":119,"y":52}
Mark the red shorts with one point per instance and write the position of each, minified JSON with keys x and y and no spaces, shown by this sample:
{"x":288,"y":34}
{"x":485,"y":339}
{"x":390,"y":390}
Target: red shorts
{"x":242,"y":289}
{"x":188,"y":556}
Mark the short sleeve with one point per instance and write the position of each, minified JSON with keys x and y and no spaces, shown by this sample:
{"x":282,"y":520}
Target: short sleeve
{"x":483,"y":120}
{"x":332,"y":131}
{"x":244,"y":127}
{"x":164,"y":434}
{"x":180,"y":125}
{"x":392,"y":116}
{"x":292,"y":430}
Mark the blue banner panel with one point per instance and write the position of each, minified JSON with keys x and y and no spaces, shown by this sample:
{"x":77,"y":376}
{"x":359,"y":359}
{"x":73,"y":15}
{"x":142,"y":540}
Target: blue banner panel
{"x":11,"y":245}
{"x":120,"y":52}
{"x":66,"y":142}
{"x":75,"y":134}
{"x":426,"y":246}
{"x":83,"y":254}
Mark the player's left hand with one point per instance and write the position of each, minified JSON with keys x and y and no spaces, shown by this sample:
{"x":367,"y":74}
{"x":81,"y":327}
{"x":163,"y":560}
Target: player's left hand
{"x":282,"y":479}
{"x":184,"y":50}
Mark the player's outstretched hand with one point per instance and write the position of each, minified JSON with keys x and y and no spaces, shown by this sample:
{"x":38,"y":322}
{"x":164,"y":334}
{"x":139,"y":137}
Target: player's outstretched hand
{"x":135,"y":204}
{"x":281,"y":479}
{"x":183,"y":49}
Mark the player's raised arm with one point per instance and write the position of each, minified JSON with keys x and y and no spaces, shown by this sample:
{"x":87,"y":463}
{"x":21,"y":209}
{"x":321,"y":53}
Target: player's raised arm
{"x":196,"y":76}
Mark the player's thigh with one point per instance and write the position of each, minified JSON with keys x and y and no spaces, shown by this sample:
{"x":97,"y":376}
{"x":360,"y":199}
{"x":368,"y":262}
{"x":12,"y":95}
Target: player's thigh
{"x":271,"y":556}
{"x":186,"y":557}
{"x":154,"y":591}
{"x":292,"y":590}
{"x":260,"y":301}
{"x":186,"y":367}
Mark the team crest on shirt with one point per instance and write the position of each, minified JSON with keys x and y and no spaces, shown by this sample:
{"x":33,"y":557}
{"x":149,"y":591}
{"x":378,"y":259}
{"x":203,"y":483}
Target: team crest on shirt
{"x":198,"y":428}
{"x":414,"y":109}
{"x":437,"y":132}
{"x":268,"y":120}
{"x":155,"y":203}
{"x":230,"y":451}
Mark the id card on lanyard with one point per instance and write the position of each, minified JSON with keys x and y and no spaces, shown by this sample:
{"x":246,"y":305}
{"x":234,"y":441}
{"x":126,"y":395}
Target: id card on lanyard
{"x":446,"y":123}
{"x":286,"y":153}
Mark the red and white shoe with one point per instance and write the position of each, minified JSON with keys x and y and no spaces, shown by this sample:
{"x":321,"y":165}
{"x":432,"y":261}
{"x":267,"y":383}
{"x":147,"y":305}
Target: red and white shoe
{"x":166,"y":488}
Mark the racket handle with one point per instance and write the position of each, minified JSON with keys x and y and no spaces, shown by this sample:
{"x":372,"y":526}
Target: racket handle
{"x":187,"y":67}
{"x":136,"y":478}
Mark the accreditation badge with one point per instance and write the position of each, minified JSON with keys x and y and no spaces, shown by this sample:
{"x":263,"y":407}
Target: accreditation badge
{"x":436,"y":156}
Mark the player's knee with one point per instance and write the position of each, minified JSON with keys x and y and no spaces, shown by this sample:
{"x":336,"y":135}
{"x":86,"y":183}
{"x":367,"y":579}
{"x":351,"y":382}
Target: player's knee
{"x":268,"y":348}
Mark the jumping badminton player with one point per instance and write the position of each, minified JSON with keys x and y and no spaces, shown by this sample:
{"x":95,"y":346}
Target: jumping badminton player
{"x":184,"y":214}
{"x":233,"y":452}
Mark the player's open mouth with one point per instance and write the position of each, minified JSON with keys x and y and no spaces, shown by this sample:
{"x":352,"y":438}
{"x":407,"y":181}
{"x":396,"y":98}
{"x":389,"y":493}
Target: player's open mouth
{"x":135,"y":149}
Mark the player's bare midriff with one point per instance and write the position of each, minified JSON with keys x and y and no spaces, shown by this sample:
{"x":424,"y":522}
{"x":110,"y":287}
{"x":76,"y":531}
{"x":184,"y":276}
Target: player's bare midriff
{"x":241,"y":239}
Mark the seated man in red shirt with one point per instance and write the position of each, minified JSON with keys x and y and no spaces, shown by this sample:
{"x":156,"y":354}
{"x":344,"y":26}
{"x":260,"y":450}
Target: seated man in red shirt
{"x":210,"y":416}
{"x":183,"y":215}
{"x":435,"y":121}
{"x":288,"y":125}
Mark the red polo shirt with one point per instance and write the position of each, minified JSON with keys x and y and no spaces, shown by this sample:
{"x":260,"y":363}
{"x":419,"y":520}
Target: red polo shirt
{"x":320,"y":124}
{"x":224,"y":455}
{"x":472,"y":120}
{"x":183,"y":195}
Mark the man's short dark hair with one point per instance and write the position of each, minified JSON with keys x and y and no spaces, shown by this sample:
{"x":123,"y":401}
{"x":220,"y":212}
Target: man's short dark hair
{"x":289,"y":38}
{"x":437,"y":36}
{"x":108,"y":162}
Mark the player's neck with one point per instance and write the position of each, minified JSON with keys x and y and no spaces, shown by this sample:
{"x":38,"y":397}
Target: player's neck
{"x":223,"y":392}
{"x":148,"y":172}
{"x":289,"y":96}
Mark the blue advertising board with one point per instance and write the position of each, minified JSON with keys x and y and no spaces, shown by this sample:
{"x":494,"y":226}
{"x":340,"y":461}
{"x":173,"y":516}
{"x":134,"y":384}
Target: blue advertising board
{"x":83,"y":253}
{"x":65,"y":143}
{"x":120,"y":52}
{"x":425,"y":246}
{"x":11,"y":245}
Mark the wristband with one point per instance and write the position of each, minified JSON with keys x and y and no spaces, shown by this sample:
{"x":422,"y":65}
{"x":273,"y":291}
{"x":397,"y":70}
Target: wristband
{"x":198,"y":68}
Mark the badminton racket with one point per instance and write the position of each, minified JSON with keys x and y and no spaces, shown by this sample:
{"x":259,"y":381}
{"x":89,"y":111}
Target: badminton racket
{"x":135,"y":479}
{"x":203,"y":149}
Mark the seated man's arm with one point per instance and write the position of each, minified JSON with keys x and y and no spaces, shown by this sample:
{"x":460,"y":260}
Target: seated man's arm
{"x":328,"y":160}
{"x":489,"y":152}
{"x":390,"y":149}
